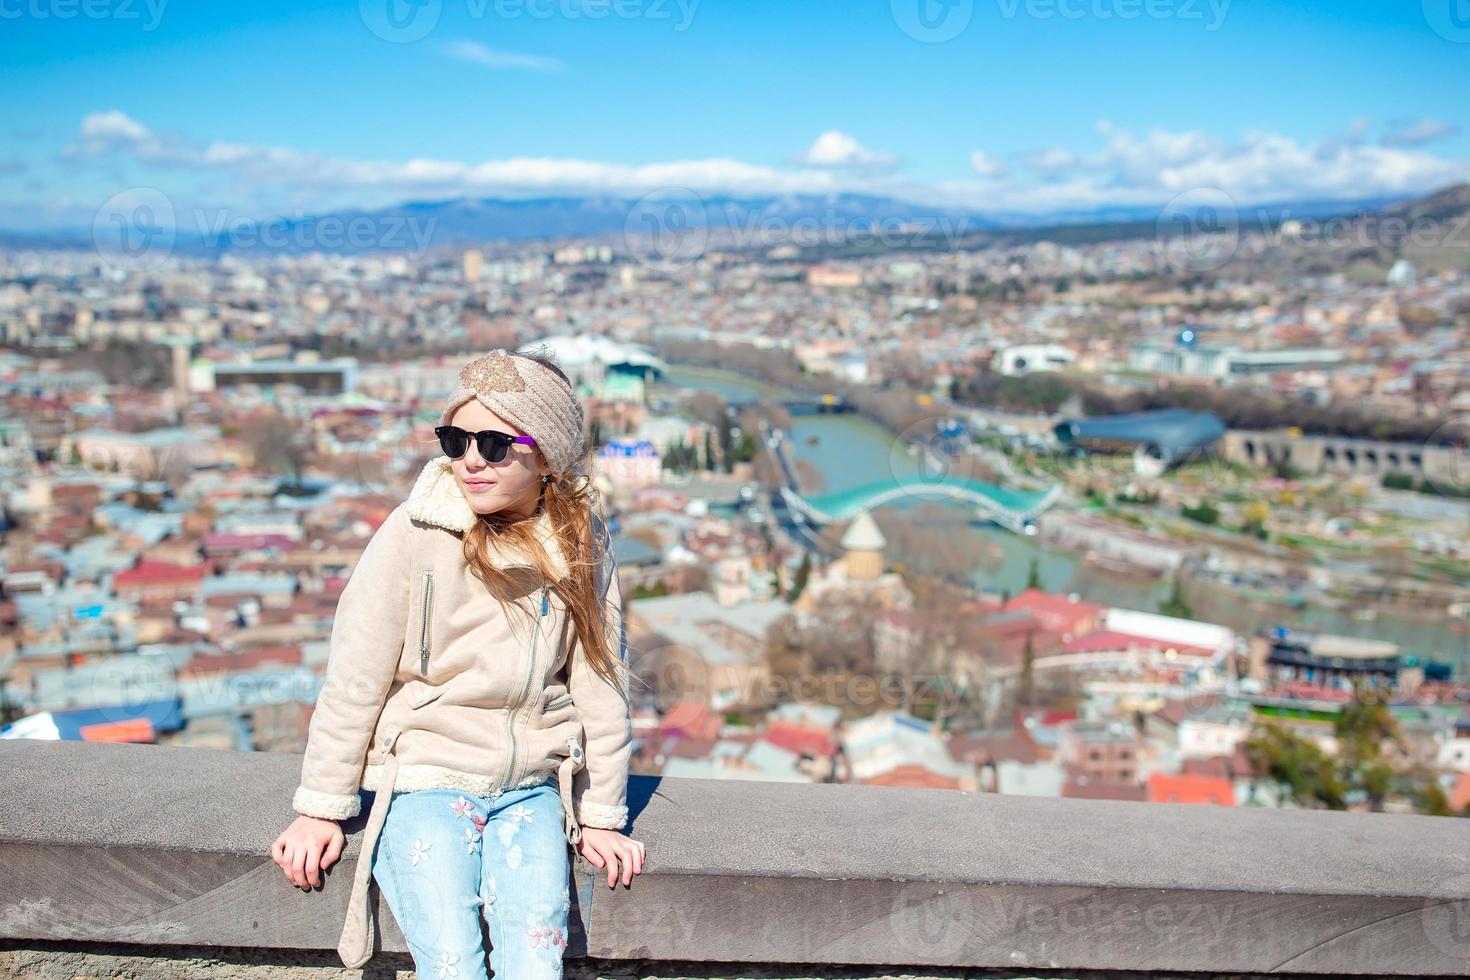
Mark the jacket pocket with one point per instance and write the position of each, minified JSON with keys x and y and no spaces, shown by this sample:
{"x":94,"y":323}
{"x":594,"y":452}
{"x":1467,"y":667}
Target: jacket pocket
{"x":426,"y":612}
{"x":425,"y":694}
{"x":559,"y":701}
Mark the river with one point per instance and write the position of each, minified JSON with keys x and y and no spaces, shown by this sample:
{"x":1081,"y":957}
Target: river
{"x":850,"y":450}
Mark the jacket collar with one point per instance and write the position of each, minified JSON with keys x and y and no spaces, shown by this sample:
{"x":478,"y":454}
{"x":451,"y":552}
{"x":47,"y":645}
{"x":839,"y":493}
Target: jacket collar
{"x":436,"y":500}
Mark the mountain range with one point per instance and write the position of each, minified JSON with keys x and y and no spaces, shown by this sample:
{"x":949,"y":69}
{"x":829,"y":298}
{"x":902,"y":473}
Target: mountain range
{"x":719,"y":220}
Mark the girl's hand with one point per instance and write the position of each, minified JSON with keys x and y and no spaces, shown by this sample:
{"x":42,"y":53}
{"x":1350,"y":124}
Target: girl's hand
{"x":307,"y":848}
{"x":611,"y":850}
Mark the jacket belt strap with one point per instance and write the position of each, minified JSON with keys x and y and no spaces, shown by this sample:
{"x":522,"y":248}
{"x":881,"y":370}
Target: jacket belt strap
{"x":564,"y":773}
{"x":356,"y":944}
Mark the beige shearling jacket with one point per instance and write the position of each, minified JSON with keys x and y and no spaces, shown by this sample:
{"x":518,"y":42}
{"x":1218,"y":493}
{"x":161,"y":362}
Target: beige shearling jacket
{"x":430,"y":684}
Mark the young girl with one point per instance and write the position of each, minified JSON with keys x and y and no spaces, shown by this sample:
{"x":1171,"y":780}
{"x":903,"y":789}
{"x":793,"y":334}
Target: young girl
{"x":477,"y":643}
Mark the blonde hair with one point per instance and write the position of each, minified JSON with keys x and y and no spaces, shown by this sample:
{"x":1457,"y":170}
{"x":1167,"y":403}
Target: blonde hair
{"x":568,"y":498}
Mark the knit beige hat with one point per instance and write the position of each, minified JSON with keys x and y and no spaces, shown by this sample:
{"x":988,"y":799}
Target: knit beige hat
{"x":528,"y":395}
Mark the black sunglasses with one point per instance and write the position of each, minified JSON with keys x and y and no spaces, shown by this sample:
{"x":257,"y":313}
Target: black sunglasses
{"x":492,"y":445}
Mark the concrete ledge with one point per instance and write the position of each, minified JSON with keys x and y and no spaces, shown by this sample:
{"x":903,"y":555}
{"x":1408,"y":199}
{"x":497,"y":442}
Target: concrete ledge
{"x":147,"y":845}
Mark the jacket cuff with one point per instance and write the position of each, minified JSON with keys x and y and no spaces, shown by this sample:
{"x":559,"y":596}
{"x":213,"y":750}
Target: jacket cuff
{"x":327,"y":806}
{"x":602,"y":816}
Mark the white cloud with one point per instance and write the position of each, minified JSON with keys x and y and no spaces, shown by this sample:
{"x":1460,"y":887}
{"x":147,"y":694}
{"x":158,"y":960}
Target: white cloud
{"x":112,"y":125}
{"x":1159,"y":164}
{"x":1418,"y":133}
{"x":837,"y":149}
{"x":1054,"y":160}
{"x":1146,"y":169}
{"x":477,"y":54}
{"x":986,"y":165}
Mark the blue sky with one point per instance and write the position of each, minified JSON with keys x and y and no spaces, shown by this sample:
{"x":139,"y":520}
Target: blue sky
{"x":1006,"y":104}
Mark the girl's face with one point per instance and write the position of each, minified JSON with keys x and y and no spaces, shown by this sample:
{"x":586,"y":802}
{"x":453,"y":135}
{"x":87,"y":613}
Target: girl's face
{"x":513,"y":485}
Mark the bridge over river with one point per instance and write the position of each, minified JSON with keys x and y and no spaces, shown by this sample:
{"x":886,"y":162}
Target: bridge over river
{"x":1015,"y":510}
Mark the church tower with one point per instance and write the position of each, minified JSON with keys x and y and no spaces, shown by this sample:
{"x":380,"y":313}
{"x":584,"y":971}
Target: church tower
{"x":862,"y":546}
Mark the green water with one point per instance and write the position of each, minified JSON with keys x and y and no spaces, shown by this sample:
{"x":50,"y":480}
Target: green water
{"x":850,"y":451}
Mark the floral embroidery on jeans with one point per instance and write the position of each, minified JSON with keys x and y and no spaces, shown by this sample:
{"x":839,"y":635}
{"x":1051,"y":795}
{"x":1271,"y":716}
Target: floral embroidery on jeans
{"x":444,"y":966}
{"x":420,"y":851}
{"x":518,"y":813}
{"x":478,"y":821}
{"x":546,"y":937}
{"x":471,"y":840}
{"x":488,"y":898}
{"x":462,"y":807}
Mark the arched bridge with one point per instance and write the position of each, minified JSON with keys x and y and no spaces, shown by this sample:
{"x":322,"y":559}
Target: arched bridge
{"x":1011,"y":509}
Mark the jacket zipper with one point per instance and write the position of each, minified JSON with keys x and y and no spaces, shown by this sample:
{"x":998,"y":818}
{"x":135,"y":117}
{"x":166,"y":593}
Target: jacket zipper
{"x":510,"y":722}
{"x":428,"y":608}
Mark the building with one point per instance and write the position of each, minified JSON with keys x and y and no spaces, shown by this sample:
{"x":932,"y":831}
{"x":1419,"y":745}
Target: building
{"x":1214,"y":730}
{"x":1158,"y":439}
{"x":891,"y":748}
{"x":1031,"y":358}
{"x":332,"y":377}
{"x":630,"y":464}
{"x":588,"y":358}
{"x":827,"y":277}
{"x":858,"y":575}
{"x":472,"y":265}
{"x":1190,"y":788}
{"x":1113,"y":544}
{"x":158,"y":581}
{"x":1442,"y":465}
{"x":1282,"y":654}
{"x":169,"y":453}
{"x":1100,"y":751}
{"x":715,"y":652}
{"x":1226,"y":362}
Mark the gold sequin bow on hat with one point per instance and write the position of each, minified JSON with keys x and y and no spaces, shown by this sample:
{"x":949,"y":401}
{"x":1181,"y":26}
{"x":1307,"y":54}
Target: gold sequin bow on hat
{"x":528,"y":395}
{"x":495,"y":371}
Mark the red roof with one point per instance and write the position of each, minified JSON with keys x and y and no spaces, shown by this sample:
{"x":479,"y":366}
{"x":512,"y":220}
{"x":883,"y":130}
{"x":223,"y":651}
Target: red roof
{"x":1109,"y":641}
{"x":800,"y":740}
{"x":132,"y":730}
{"x":148,"y":572}
{"x":1056,"y":612}
{"x":1166,"y":787}
{"x":691,"y":720}
{"x":1460,"y":794}
{"x":247,"y":542}
{"x":288,"y":655}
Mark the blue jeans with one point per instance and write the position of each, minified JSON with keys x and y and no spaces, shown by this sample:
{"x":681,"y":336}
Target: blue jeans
{"x":446,"y":858}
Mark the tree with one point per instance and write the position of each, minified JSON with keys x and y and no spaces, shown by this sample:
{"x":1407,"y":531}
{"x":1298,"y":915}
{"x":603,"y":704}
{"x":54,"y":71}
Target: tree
{"x":803,"y":572}
{"x":1204,"y":513}
{"x":1028,"y":674}
{"x":1178,"y":603}
{"x":277,"y":443}
{"x":1364,"y":730}
{"x":1304,"y":772}
{"x":1371,"y":763}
